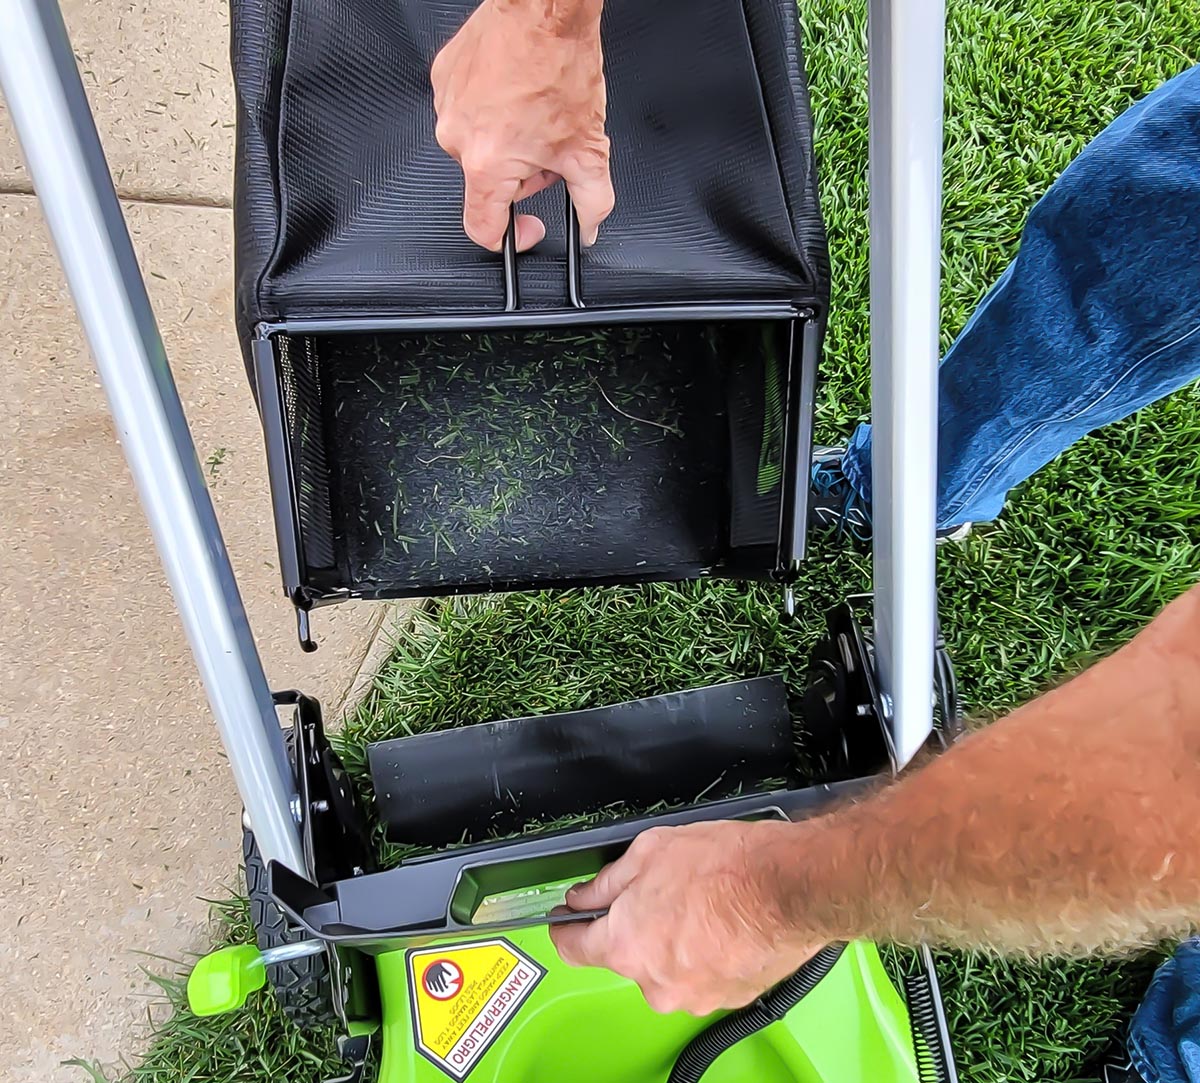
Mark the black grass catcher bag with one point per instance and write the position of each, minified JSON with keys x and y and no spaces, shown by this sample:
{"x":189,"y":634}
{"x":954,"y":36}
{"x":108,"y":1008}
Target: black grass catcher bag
{"x":440,"y":418}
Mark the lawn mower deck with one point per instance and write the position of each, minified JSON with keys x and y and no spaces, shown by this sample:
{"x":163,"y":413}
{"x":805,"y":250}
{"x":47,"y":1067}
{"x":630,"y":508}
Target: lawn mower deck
{"x":447,"y":955}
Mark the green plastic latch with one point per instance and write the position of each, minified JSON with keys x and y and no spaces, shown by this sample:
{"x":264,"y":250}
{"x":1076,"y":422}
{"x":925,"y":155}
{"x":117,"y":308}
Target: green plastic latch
{"x":223,"y":980}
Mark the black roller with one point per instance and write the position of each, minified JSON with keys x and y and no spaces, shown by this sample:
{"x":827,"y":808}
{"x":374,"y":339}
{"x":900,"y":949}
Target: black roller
{"x":436,"y":788}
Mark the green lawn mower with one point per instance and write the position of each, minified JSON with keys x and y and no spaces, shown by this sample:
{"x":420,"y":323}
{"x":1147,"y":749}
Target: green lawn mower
{"x":439,"y":420}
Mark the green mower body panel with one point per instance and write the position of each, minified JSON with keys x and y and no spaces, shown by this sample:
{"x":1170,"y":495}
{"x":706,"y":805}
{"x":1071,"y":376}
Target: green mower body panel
{"x":504,"y":1009}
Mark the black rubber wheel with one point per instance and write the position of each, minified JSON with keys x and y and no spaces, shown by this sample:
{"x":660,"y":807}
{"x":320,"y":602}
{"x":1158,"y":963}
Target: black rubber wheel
{"x":302,"y":987}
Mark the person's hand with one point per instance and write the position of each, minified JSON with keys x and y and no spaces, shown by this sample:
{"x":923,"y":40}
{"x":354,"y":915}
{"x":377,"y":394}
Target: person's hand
{"x":694,"y":916}
{"x":520,"y":101}
{"x":438,"y":977}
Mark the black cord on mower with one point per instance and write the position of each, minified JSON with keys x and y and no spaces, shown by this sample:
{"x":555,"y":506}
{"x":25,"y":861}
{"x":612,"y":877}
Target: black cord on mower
{"x":945,"y":687}
{"x":772,"y":1006}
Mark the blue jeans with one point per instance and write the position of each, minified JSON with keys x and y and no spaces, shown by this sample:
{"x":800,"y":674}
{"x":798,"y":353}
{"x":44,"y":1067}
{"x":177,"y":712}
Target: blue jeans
{"x":1164,"y":1039}
{"x":1098,"y":315}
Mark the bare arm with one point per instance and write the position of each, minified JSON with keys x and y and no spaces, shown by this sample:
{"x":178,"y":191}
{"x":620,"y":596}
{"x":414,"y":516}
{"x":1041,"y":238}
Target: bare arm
{"x":520,"y":99}
{"x":1071,"y":825}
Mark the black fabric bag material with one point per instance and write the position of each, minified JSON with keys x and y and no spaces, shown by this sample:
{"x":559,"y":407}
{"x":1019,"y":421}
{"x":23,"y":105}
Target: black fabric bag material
{"x":346,"y":206}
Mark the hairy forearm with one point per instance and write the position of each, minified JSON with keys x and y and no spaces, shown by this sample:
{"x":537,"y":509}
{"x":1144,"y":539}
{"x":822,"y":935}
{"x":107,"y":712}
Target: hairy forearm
{"x":1071,"y":825}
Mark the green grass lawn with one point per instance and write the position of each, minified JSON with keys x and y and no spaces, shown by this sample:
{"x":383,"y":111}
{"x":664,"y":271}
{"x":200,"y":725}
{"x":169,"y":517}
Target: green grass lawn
{"x":1085,"y":554}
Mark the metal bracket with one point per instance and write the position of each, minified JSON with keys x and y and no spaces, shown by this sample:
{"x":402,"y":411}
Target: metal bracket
{"x":304,"y":630}
{"x":354,"y":1050}
{"x":844,"y":711}
{"x":847,"y":714}
{"x":335,"y":836}
{"x":336,"y":844}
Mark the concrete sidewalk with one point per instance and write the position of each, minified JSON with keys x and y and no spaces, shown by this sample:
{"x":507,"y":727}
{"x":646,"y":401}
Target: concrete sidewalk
{"x":157,"y":75}
{"x":118,"y":812}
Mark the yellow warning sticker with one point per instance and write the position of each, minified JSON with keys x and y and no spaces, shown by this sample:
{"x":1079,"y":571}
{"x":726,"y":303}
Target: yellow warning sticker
{"x":463,"y":996}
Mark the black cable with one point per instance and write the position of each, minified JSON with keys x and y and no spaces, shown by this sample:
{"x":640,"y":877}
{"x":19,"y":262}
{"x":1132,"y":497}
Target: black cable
{"x":772,"y":1006}
{"x":946,"y":689}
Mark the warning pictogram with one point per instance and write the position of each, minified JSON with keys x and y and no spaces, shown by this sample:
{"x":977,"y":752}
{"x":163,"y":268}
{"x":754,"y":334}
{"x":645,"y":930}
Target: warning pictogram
{"x":464,"y":996}
{"x":442,"y":979}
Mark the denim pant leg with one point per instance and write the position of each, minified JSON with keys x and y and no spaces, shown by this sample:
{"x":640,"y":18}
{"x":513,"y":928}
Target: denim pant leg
{"x":1164,"y":1037}
{"x":1098,"y":315}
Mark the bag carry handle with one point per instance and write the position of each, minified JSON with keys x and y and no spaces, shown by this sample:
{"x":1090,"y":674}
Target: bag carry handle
{"x":512,"y":287}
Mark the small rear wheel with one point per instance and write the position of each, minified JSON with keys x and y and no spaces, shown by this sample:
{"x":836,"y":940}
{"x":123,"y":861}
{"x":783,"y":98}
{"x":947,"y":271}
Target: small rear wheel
{"x":303,"y":987}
